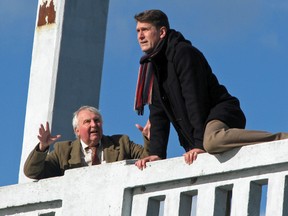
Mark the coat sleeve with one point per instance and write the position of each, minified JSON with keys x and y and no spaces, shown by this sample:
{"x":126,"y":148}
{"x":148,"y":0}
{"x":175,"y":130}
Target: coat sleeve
{"x":41,"y":165}
{"x":119,"y":147}
{"x":133,"y":150}
{"x":160,"y":126}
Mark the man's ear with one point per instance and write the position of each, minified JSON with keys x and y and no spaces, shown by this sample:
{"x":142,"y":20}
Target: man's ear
{"x":163,"y":31}
{"x":76,"y":130}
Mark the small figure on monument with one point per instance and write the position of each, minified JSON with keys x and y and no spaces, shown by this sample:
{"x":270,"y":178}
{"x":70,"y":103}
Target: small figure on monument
{"x":91,"y":147}
{"x":177,"y":82}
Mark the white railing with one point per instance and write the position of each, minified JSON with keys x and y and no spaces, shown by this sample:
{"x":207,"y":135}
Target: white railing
{"x":225,"y":184}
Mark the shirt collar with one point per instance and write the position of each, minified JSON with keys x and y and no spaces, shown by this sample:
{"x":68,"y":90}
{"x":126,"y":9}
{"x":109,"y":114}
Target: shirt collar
{"x":85,"y":146}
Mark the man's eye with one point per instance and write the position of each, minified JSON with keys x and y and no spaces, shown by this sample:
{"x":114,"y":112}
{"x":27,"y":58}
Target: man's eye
{"x":87,"y":121}
{"x":96,"y":120}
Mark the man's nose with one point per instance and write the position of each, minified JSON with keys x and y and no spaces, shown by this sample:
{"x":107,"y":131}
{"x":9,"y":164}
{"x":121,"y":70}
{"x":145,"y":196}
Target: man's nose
{"x":140,"y":35}
{"x":93,"y":123}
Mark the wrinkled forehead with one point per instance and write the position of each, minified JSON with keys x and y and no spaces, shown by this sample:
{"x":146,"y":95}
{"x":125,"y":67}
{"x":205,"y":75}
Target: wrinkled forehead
{"x":88,"y":115}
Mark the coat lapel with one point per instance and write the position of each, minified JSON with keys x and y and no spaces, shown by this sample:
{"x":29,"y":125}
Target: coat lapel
{"x":75,"y":154}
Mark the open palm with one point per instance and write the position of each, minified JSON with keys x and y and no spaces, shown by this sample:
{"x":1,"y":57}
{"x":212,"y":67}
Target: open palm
{"x":45,"y":137}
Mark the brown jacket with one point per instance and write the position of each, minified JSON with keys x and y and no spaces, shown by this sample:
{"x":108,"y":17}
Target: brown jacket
{"x":67,"y":155}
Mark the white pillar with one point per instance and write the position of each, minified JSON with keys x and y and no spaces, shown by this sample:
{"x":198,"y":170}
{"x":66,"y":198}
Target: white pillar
{"x":66,"y":66}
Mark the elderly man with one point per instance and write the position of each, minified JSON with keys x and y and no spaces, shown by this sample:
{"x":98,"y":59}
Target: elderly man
{"x":90,"y":148}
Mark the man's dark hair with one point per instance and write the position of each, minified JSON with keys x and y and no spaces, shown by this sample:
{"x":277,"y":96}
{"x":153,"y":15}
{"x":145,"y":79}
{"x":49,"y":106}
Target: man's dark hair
{"x":156,"y":17}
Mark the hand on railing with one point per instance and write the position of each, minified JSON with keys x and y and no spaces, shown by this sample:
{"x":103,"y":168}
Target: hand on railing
{"x":189,"y":158}
{"x":141,"y":164}
{"x":191,"y":155}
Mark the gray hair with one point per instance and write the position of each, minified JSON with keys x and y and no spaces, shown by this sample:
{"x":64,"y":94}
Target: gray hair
{"x":90,"y":108}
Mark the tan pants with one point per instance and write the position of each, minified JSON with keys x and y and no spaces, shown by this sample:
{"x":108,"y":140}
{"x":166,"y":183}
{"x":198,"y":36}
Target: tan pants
{"x":218,"y":137}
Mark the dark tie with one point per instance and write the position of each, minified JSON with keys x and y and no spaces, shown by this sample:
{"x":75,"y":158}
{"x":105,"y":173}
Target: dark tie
{"x":95,"y":159}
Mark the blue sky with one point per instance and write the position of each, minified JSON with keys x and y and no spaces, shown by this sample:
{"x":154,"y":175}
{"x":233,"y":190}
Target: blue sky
{"x":244,"y":41}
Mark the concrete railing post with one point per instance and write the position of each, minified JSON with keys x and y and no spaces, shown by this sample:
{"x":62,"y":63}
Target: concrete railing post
{"x":66,"y":66}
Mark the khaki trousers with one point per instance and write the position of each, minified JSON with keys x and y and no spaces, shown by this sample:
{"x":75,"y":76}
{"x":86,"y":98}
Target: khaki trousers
{"x":218,"y":137}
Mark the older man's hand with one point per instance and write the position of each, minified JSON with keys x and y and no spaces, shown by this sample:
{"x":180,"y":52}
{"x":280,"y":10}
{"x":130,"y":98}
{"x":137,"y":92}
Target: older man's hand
{"x":45,"y":137}
{"x":145,"y":130}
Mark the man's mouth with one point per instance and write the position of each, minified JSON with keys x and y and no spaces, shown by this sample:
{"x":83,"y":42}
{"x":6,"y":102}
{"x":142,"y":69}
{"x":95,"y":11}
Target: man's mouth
{"x":94,"y":132}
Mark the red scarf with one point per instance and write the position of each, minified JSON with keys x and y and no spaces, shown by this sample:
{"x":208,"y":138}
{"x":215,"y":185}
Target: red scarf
{"x":146,"y":75}
{"x":144,"y":86}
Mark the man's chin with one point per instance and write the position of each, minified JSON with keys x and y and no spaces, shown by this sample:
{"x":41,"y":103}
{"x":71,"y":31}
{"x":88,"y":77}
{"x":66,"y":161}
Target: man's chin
{"x":145,"y":49}
{"x":95,"y":139}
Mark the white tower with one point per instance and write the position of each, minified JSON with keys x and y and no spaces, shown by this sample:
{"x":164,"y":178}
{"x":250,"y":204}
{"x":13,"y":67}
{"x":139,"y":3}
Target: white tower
{"x":66,"y":66}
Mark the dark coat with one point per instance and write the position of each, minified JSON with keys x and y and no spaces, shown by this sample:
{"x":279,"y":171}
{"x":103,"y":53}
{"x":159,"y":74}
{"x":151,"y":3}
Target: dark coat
{"x":187,"y":94}
{"x":67,"y":155}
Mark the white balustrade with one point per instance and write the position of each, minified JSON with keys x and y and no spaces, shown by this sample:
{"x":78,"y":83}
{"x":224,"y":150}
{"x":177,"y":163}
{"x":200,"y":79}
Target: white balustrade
{"x":232,"y":183}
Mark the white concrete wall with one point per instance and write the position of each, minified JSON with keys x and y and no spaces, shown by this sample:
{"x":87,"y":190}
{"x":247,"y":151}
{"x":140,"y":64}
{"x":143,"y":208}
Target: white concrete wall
{"x":121,"y":189}
{"x":66,"y":66}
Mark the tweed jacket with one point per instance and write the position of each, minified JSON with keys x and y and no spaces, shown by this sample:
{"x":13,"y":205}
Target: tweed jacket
{"x":67,"y":155}
{"x":187,"y":94}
